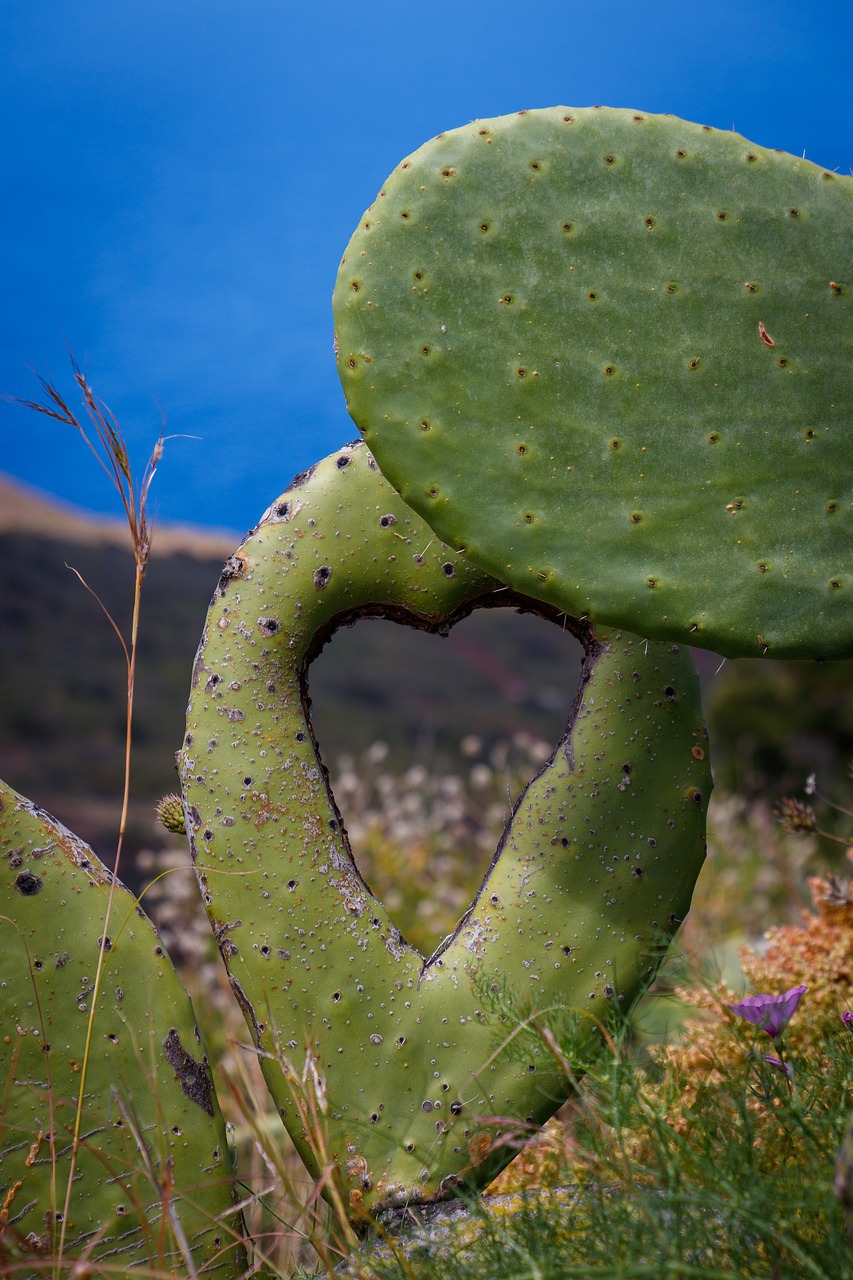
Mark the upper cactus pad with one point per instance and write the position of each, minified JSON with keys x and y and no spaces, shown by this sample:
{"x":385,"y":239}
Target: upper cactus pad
{"x":608,"y":355}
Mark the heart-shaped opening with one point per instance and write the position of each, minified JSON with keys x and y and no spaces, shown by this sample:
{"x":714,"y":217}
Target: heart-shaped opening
{"x":430,"y":745}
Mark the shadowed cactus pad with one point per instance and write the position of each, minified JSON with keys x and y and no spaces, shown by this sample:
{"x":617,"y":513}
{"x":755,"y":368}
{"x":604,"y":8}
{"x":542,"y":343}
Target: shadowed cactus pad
{"x":400,"y":1070}
{"x":608,"y":355}
{"x":152,"y":1184}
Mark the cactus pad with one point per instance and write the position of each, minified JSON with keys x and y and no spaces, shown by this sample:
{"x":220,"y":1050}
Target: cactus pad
{"x":608,"y":356}
{"x":393,"y":1067}
{"x":152,"y":1184}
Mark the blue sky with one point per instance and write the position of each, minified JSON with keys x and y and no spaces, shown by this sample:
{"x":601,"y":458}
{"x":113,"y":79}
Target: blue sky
{"x":181,"y":178}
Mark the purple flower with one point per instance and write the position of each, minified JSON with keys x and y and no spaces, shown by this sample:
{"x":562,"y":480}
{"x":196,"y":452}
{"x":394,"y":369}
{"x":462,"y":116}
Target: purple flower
{"x":770,"y":1013}
{"x":847,"y":1017}
{"x":784,"y":1067}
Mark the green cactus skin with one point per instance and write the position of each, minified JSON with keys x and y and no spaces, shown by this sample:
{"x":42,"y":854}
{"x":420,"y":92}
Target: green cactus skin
{"x":608,"y":355}
{"x":401,"y":1057}
{"x":150,"y":1119}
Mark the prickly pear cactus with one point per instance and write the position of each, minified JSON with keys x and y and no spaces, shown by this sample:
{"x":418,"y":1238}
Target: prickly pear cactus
{"x":151,"y":1184}
{"x":609,"y":355}
{"x":393,"y":1067}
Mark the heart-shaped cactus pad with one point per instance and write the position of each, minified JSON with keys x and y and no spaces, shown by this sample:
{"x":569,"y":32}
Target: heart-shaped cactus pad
{"x":608,"y":355}
{"x":398,"y":1071}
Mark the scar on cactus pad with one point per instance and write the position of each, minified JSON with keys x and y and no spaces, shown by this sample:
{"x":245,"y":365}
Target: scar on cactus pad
{"x":608,"y":355}
{"x":410,"y":1064}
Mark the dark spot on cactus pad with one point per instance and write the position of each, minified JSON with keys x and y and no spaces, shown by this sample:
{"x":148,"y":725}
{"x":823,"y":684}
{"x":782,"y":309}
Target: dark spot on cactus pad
{"x":609,"y":369}
{"x":672,"y":287}
{"x":405,"y":214}
{"x":424,"y":424}
{"x":521,"y":372}
{"x":269,"y":626}
{"x":291,"y":884}
{"x":521,"y":448}
{"x":343,"y":460}
{"x":682,"y":155}
{"x":387,"y":521}
{"x":106,"y":943}
{"x":615,"y":444}
{"x":505,"y":298}
{"x":831,"y":506}
{"x":16,"y":858}
{"x":192,"y":1075}
{"x":835,"y":584}
{"x":750,"y":287}
{"x":432,"y":492}
{"x":592,"y":296}
{"x":535,"y":164}
{"x":713,"y":437}
{"x":426,"y":1106}
{"x":484,"y":227}
{"x":636,"y":517}
{"x":352,"y":362}
{"x":697,"y":752}
{"x":809,"y":433}
{"x":693,"y":362}
{"x":233,"y":568}
{"x":28,"y":884}
{"x":425,"y":350}
{"x":762,"y":566}
{"x":609,"y":159}
{"x":322,"y":576}
{"x":355,"y":286}
{"x":722,"y":216}
{"x":695,"y":796}
{"x":836,"y":288}
{"x":670,"y":693}
{"x":751,"y":156}
{"x":649,"y":222}
{"x":529,"y":517}
{"x":448,"y":569}
{"x":793,"y":213}
{"x":783,"y":362}
{"x":417,"y":275}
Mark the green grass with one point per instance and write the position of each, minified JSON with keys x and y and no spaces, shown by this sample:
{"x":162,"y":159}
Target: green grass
{"x":744,"y":1189}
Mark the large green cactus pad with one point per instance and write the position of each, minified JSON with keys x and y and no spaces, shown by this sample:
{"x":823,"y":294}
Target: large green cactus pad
{"x":608,"y":355}
{"x":151,"y":1185}
{"x":393,"y":1067}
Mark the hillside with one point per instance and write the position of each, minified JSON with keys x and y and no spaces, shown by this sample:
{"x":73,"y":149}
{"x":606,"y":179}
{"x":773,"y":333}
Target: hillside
{"x":62,"y":677}
{"x":62,"y":680}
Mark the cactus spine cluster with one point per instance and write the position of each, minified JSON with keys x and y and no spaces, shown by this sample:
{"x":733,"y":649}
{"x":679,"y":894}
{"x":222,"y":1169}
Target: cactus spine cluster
{"x":610,"y":356}
{"x":596,"y":866}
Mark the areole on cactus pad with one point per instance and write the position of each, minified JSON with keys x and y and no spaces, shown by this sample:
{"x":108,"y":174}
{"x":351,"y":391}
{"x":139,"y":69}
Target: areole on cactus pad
{"x":608,"y":355}
{"x":398,"y":1069}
